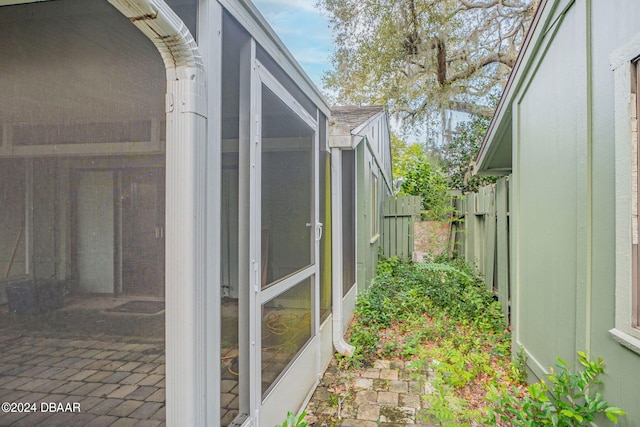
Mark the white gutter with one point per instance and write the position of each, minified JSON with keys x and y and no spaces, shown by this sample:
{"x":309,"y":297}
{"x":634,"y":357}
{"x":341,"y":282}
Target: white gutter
{"x":185,"y":269}
{"x":340,"y":345}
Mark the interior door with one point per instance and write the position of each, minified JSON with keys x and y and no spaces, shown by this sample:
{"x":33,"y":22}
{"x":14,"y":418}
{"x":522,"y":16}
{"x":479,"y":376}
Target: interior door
{"x":284,"y":244}
{"x":142,"y":205}
{"x":94,"y":219}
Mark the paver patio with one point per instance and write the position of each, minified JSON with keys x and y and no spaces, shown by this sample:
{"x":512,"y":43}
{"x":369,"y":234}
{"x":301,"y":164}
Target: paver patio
{"x":120,"y":384}
{"x":111,"y":383}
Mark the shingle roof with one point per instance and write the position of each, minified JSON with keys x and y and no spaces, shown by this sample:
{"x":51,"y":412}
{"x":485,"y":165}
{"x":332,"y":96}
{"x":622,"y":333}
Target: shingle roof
{"x":353,"y":116}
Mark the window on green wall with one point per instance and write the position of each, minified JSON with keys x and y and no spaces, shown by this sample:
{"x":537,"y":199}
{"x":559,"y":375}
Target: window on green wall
{"x":625,"y":65}
{"x":375,"y":229}
{"x":635,"y":103}
{"x":348,"y":220}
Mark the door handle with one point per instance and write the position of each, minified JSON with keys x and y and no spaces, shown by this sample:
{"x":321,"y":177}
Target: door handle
{"x":318,"y":229}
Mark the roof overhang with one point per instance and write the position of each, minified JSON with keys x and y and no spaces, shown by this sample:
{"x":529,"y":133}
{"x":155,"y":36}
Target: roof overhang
{"x":343,"y":136}
{"x":494,"y":157}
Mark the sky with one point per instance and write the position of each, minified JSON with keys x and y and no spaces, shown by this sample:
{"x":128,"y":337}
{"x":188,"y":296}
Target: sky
{"x":305,"y":31}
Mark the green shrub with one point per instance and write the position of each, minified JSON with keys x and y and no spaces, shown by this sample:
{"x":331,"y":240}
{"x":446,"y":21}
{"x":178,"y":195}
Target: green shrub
{"x":421,"y":176}
{"x":404,"y":293}
{"x":292,"y":421}
{"x":387,"y":266}
{"x":568,"y":401}
{"x":454,"y":288}
{"x":442,"y":317}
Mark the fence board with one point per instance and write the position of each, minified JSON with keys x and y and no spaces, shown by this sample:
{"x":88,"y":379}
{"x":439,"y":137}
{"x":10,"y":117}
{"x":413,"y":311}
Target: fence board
{"x":489,"y":237}
{"x":399,"y":216}
{"x":502,"y":242}
{"x":485,"y":241}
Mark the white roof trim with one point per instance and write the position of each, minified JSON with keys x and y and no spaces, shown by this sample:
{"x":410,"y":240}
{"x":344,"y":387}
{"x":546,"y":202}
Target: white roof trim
{"x":12,"y":2}
{"x":358,"y":129}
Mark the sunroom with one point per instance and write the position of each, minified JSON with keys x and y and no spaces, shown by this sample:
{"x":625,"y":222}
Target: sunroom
{"x":164,"y":196}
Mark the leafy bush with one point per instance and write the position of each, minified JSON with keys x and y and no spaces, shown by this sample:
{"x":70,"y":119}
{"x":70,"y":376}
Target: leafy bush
{"x":404,"y":293}
{"x":430,"y":183}
{"x":442,"y":317}
{"x":568,"y":401}
{"x":455,"y":289}
{"x":387,"y":266}
{"x":292,"y":421}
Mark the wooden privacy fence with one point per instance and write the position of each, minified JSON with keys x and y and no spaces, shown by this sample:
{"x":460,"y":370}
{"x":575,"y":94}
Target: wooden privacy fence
{"x":399,"y":215}
{"x":481,"y":236}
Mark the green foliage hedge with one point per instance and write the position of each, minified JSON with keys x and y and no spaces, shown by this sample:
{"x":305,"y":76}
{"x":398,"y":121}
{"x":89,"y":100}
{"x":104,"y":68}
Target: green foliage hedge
{"x":409,"y":291}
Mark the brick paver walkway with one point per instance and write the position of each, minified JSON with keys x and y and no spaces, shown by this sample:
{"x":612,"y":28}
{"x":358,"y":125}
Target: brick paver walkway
{"x":104,"y":383}
{"x":391,"y":393}
{"x":89,"y":382}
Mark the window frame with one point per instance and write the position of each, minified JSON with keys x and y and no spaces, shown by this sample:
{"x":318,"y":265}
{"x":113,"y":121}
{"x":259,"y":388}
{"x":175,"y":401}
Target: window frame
{"x":625,"y":63}
{"x":373,"y":209}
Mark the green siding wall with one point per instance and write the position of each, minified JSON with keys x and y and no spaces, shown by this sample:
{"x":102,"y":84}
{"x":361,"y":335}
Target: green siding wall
{"x":546,"y":208}
{"x":611,"y":27}
{"x":563,"y":196}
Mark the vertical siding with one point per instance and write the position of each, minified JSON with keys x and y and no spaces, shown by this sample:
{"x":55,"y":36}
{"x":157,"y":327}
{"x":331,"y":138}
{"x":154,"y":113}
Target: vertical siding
{"x":555,"y":227}
{"x":611,"y":28}
{"x":546,"y":211}
{"x":502,"y":283}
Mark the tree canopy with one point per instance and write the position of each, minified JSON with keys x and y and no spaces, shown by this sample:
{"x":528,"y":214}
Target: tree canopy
{"x":421,"y":175}
{"x":459,"y":155}
{"x":421,"y":57}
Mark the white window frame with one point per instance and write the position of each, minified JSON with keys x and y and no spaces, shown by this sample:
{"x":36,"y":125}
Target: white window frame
{"x":375,"y":219}
{"x":623,"y":64}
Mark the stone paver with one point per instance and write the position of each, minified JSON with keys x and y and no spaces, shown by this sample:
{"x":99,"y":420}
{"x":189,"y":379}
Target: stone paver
{"x":364,"y":383}
{"x":123,"y":384}
{"x":368,"y":412}
{"x":389,"y":374}
{"x":387,"y":394}
{"x":388,"y":398}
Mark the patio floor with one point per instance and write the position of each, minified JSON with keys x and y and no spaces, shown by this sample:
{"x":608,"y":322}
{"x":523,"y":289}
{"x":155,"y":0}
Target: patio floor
{"x":111,"y":383}
{"x":71,"y":370}
{"x":83,"y":365}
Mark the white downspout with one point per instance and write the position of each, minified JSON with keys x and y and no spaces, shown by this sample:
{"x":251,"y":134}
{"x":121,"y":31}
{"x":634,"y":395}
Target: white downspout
{"x":339,"y":343}
{"x":185,"y":208}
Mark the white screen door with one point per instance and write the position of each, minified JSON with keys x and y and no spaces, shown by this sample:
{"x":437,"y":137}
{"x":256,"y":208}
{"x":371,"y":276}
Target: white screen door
{"x":284,"y":240}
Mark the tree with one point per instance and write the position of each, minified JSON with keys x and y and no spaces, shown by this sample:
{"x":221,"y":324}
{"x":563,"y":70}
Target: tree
{"x":421,"y":175}
{"x":462,"y":150}
{"x":422,"y":57}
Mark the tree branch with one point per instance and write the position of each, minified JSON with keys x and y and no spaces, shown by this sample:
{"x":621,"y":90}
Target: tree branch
{"x":507,"y":59}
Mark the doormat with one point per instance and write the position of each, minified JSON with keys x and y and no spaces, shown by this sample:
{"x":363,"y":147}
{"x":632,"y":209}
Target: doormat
{"x":140,"y":307}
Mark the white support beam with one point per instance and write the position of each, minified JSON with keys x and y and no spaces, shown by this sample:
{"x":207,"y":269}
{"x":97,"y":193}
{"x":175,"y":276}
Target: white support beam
{"x":185,"y":242}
